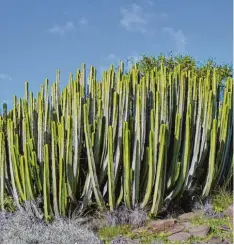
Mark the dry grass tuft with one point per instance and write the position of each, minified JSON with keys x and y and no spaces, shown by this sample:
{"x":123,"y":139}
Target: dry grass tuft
{"x":124,"y":216}
{"x":22,"y":227}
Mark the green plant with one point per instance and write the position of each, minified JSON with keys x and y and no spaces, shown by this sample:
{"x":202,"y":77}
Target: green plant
{"x":221,"y":199}
{"x":110,"y":232}
{"x":127,"y":139}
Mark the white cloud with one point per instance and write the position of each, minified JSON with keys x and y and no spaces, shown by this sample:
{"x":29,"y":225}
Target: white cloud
{"x":112,"y":57}
{"x":69,"y":25}
{"x":83,"y":21}
{"x":5,"y":77}
{"x":178,"y":37}
{"x":62,"y":29}
{"x":137,"y":19}
{"x":134,"y":18}
{"x":134,"y":56}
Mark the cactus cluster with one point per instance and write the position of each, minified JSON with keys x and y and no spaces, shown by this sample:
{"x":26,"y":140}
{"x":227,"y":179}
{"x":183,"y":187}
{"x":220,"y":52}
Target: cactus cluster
{"x":129,"y":139}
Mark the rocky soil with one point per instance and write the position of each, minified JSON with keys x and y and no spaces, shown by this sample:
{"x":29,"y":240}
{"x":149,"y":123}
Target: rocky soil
{"x":127,"y":227}
{"x":183,"y":229}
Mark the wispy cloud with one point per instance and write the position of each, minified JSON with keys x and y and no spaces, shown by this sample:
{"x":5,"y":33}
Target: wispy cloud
{"x":62,"y":29}
{"x":178,"y":37}
{"x":83,"y":21}
{"x":134,"y":18}
{"x":5,"y":77}
{"x":112,"y":57}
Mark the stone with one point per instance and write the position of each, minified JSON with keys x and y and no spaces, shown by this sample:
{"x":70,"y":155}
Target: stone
{"x":161,"y":225}
{"x":199,"y":231}
{"x":124,"y":240}
{"x":219,"y":240}
{"x":176,"y":229}
{"x":227,"y":241}
{"x":187,"y":225}
{"x":157,"y":241}
{"x":189,"y":216}
{"x":229,"y":211}
{"x":179,"y":237}
{"x":223,"y":228}
{"x":215,"y":240}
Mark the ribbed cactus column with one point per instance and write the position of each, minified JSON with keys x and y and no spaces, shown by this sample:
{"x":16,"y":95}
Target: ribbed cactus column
{"x":151,"y":170}
{"x":91,"y":162}
{"x":69,"y":165}
{"x":2,"y":168}
{"x":54,"y":160}
{"x":160,"y":172}
{"x":126,"y":167}
{"x":179,"y":185}
{"x":10,"y":136}
{"x":226,"y":134}
{"x":46,"y":185}
{"x":210,"y":172}
{"x":62,"y":192}
{"x":136,"y":159}
{"x":111,"y":182}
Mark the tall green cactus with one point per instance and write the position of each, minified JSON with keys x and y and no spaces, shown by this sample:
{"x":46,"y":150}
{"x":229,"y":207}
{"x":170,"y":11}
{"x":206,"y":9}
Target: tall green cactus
{"x":158,"y":195}
{"x":2,"y":169}
{"x":111,"y":182}
{"x":126,"y":140}
{"x":91,"y":162}
{"x":210,"y":172}
{"x":46,"y":185}
{"x":126,"y":167}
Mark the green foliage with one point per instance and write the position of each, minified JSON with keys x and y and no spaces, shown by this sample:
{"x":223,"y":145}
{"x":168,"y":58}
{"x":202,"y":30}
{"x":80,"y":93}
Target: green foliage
{"x":110,"y":232}
{"x":186,"y":62}
{"x":221,"y":200}
{"x":9,"y":204}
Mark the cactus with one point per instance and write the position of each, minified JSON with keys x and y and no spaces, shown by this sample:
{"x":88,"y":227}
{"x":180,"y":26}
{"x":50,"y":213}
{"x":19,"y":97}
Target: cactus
{"x":2,"y":170}
{"x":54,"y":160}
{"x":126,"y":167}
{"x":46,"y":185}
{"x":129,"y":139}
{"x":210,"y":172}
{"x":91,"y":162}
{"x":111,"y":182}
{"x":158,"y":195}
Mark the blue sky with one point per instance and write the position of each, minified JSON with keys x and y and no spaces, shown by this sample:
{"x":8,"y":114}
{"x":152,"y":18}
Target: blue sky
{"x":37,"y":37}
